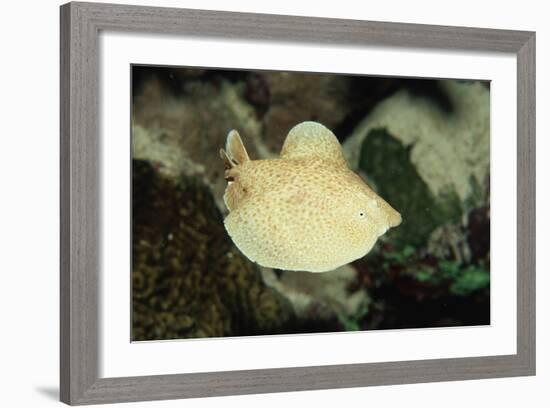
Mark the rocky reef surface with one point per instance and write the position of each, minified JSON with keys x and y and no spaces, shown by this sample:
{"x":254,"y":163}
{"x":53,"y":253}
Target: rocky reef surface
{"x":423,"y":145}
{"x":188,"y":280}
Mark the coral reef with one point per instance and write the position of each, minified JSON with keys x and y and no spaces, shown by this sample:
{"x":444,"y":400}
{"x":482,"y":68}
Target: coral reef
{"x":429,"y":157}
{"x":410,"y":288}
{"x":178,"y":132}
{"x":387,"y":164}
{"x":187,"y":278}
{"x":324,"y":296}
{"x":423,"y":146}
{"x":448,"y":136}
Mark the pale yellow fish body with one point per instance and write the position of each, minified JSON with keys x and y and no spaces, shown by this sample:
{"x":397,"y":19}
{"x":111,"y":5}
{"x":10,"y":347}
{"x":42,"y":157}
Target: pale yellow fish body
{"x":306,"y":211}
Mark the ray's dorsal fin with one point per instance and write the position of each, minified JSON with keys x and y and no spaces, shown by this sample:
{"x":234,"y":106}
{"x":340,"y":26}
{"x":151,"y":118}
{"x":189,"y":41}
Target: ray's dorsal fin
{"x":236,"y":152}
{"x":311,"y":139}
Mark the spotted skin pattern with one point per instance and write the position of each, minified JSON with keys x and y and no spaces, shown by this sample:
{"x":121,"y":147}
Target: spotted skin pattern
{"x":305,"y":211}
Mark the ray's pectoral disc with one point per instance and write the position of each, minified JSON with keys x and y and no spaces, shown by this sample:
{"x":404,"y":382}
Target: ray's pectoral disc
{"x":306,"y":210}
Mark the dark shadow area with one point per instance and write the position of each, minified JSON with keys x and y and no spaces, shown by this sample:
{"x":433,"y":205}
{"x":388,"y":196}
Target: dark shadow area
{"x":432,"y":90}
{"x":49,"y":392}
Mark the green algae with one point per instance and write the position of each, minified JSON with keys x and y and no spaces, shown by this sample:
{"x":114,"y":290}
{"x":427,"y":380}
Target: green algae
{"x":387,"y":164}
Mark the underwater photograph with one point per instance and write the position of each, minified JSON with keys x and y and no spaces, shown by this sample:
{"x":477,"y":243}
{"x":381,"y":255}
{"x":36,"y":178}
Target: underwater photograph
{"x":271,"y":202}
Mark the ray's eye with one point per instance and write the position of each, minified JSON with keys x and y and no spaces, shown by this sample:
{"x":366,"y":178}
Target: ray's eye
{"x":362,"y":214}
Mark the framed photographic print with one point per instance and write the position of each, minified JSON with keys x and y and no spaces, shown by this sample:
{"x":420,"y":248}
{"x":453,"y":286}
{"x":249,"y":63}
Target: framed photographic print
{"x":258,"y":203}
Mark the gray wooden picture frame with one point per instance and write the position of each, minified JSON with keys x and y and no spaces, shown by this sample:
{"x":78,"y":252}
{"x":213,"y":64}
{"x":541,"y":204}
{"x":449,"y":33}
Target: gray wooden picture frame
{"x":81,"y":24}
